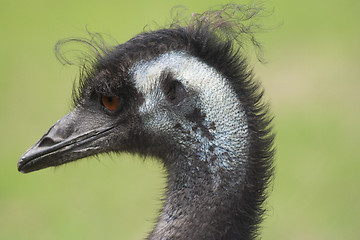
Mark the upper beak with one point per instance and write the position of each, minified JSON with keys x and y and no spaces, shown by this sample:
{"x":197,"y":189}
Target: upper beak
{"x":69,"y":139}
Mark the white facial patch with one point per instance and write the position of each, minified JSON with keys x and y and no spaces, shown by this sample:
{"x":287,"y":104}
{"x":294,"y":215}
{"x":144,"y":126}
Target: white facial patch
{"x":217,"y":100}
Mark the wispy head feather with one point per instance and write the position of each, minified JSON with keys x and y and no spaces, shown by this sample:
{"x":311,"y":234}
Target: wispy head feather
{"x":84,"y":53}
{"x":233,"y":22}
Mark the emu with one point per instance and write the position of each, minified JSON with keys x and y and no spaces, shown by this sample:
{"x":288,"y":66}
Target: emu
{"x":186,"y":96}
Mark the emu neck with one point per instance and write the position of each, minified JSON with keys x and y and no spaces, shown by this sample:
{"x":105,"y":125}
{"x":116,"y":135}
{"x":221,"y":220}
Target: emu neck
{"x":199,"y":203}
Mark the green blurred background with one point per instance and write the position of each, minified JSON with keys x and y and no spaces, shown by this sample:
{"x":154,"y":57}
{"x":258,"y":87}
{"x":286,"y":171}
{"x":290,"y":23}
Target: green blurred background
{"x":311,"y":77}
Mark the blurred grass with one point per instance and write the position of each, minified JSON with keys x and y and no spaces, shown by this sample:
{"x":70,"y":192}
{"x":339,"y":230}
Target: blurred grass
{"x":312,"y":80}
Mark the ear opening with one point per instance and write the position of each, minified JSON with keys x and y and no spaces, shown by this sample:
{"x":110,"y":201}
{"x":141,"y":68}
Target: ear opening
{"x":172,"y":88}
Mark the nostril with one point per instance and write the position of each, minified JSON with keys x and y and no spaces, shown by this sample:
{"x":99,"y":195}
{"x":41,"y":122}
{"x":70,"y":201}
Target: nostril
{"x":47,"y":142}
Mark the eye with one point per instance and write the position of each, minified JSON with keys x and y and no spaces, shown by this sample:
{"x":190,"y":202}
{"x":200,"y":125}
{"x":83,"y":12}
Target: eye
{"x":110,"y":102}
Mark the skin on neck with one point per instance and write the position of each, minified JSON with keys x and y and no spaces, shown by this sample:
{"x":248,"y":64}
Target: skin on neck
{"x":194,"y":209}
{"x":206,"y":147}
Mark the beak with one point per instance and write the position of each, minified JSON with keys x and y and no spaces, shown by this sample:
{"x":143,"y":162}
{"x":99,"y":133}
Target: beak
{"x":76,"y":135}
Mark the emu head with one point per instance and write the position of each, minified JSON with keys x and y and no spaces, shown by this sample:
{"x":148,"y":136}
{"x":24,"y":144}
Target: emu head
{"x":179,"y":89}
{"x":173,"y":101}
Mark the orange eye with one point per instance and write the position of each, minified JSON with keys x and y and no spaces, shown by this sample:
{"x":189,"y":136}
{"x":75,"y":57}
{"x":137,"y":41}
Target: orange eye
{"x":110,"y":102}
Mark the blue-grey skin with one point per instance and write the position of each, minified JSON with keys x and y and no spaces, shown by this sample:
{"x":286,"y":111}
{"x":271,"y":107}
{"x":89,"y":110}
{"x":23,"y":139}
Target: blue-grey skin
{"x":224,"y":145}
